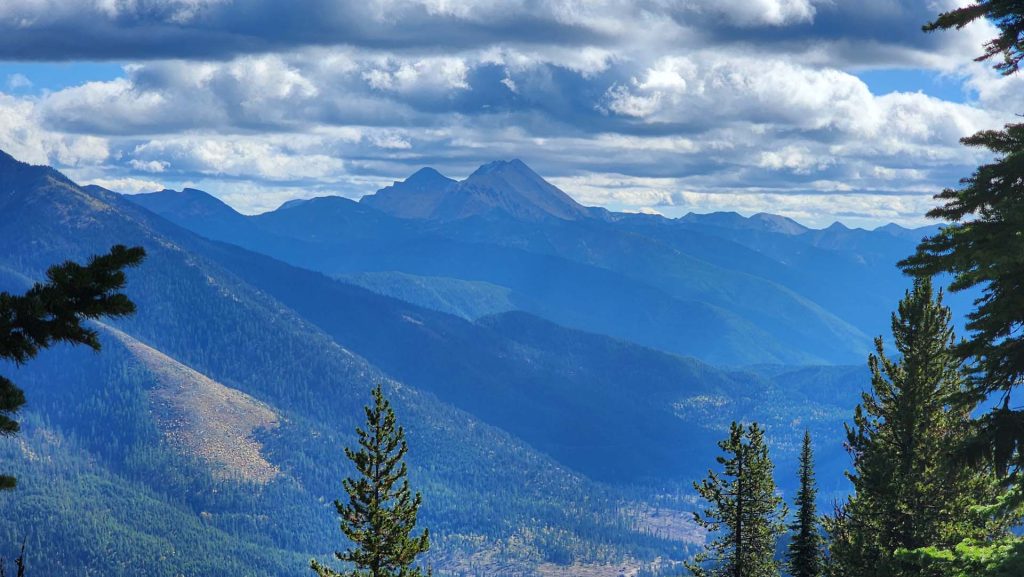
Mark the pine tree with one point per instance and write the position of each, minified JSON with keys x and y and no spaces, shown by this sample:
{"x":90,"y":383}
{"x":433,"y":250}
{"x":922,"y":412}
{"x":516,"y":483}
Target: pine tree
{"x":983,"y":247}
{"x":53,"y":312}
{"x":804,"y":556}
{"x":908,"y":493}
{"x":381,"y":511}
{"x":1008,"y":18}
{"x":745,"y":512}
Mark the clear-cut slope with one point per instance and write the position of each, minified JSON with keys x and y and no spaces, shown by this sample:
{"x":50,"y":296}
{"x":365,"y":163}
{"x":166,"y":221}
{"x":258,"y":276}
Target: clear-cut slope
{"x":205,"y":419}
{"x":510,"y":187}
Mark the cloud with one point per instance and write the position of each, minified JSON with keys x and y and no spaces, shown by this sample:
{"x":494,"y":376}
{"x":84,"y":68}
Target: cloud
{"x":22,"y":136}
{"x":125,"y":185}
{"x":650,"y":104}
{"x":278,"y":159}
{"x":18,"y":81}
{"x":52,"y":29}
{"x":218,"y":29}
{"x":423,"y":75}
{"x":797,"y":158}
{"x":757,"y":12}
{"x":816,"y":208}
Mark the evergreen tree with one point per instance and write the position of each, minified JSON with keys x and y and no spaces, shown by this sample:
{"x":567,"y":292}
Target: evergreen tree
{"x":744,"y":510}
{"x":982,"y":247}
{"x":53,"y":312}
{"x":381,"y":511}
{"x":908,"y":494}
{"x":1006,"y":15}
{"x":804,"y":556}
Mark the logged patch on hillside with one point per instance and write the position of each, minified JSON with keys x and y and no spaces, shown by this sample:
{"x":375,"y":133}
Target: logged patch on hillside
{"x":204,"y":418}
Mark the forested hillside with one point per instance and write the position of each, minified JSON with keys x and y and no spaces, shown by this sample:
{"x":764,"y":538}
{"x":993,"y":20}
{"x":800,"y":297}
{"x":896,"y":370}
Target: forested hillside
{"x":418,"y":288}
{"x":101,"y":415}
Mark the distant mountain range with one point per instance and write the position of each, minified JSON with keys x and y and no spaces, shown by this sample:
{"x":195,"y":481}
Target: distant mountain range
{"x":720,"y":287}
{"x":549,"y":362}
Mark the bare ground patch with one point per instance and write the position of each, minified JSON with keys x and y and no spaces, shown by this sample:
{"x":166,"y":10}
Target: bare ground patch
{"x":204,"y":418}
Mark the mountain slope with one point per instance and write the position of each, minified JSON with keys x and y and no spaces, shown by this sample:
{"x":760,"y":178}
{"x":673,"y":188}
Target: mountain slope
{"x":201,"y":417}
{"x":415,"y":197}
{"x":339,"y":237}
{"x":690,"y":273}
{"x":565,"y":392}
{"x":202,"y":316}
{"x":467,"y":299}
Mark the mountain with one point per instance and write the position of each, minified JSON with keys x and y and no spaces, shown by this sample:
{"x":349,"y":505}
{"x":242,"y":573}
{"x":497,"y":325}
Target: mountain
{"x":204,"y":214}
{"x":340,"y":237}
{"x":469,"y":300}
{"x":510,"y":187}
{"x":702,"y":296}
{"x":761,"y":221}
{"x":305,"y":221}
{"x":563,"y":391}
{"x":415,"y":197}
{"x":206,"y":437}
{"x":190,"y":203}
{"x":852,"y":273}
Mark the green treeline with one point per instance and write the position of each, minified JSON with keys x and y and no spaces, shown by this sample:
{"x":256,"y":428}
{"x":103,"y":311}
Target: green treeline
{"x":937,"y":443}
{"x":922,"y":503}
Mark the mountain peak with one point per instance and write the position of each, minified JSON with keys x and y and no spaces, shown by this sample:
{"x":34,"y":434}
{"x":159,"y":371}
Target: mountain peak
{"x":513,"y":188}
{"x":6,"y":159}
{"x":761,"y":222}
{"x":17,"y":176}
{"x":514,"y":165}
{"x":892,"y":228}
{"x":778,"y":223}
{"x":506,"y":186}
{"x":186,"y":200}
{"x":415,"y":197}
{"x":427,"y":175}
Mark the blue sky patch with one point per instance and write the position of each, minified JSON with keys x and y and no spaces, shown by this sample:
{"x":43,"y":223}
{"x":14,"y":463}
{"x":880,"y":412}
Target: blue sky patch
{"x":37,"y":77}
{"x":930,"y":82}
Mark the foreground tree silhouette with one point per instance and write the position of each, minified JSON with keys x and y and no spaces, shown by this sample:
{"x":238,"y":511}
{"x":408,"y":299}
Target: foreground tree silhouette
{"x":1006,"y":15}
{"x":744,"y":510}
{"x":53,"y":312}
{"x":381,"y":511}
{"x":983,"y":247}
{"x":804,"y":555}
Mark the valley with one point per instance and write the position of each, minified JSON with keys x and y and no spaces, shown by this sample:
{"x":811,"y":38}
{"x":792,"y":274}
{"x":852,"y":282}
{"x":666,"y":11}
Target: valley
{"x":563,"y":372}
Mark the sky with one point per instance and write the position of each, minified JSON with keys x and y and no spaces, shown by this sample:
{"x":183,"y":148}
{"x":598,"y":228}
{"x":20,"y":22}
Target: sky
{"x":820,"y":110}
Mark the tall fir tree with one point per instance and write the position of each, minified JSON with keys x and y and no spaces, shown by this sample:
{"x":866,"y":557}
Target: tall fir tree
{"x":804,"y":555}
{"x":744,"y":512}
{"x":55,"y":311}
{"x":380,"y":515}
{"x":981,"y":246}
{"x":908,"y":492}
